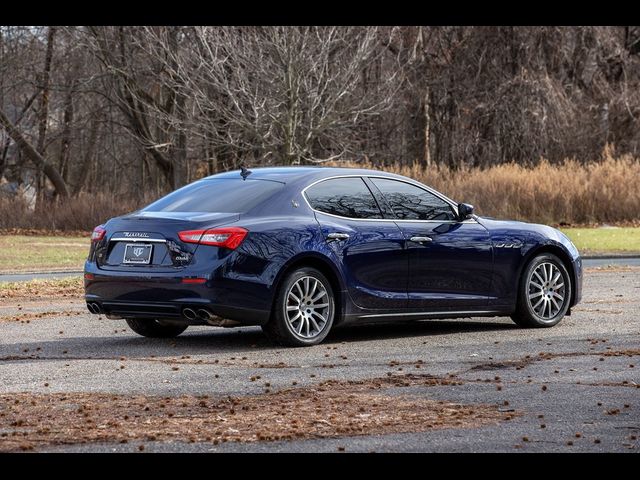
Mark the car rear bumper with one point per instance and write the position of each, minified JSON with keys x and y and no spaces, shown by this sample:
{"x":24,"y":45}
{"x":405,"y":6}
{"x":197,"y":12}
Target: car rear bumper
{"x":165,"y":295}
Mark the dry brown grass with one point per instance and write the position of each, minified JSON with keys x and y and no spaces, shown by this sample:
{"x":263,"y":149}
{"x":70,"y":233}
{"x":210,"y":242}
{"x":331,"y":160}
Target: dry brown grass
{"x":570,"y":192}
{"x":567,"y":193}
{"x":79,"y":214}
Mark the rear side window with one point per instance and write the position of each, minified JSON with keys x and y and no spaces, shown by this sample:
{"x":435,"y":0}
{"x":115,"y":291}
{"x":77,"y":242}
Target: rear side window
{"x":413,"y":203}
{"x":223,"y":195}
{"x":346,"y":197}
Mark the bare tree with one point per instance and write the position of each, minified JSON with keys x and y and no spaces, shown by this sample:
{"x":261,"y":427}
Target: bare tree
{"x":142,"y":110}
{"x":284,"y":94}
{"x":49,"y":170}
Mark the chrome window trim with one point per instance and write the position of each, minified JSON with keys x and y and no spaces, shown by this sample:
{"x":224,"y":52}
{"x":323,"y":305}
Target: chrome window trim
{"x":415,"y":184}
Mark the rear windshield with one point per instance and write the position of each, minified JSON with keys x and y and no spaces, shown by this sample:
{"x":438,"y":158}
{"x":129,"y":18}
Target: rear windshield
{"x":223,"y":195}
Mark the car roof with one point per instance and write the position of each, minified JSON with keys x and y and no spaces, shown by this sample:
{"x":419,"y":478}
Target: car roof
{"x":301,"y":173}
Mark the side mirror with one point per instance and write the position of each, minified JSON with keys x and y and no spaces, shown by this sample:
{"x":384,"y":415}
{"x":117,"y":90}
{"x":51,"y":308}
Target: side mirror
{"x":465,"y":211}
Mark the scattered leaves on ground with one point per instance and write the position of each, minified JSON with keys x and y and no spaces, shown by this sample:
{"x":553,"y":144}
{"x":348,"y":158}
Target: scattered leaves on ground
{"x":329,"y":409}
{"x":59,"y":288}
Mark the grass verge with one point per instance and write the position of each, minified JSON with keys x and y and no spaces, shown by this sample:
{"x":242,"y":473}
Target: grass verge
{"x":593,"y":241}
{"x":21,"y":253}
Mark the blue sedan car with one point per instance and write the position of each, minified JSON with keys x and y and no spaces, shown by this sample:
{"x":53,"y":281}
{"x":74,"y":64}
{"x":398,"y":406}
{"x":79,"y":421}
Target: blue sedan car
{"x":299,"y":250}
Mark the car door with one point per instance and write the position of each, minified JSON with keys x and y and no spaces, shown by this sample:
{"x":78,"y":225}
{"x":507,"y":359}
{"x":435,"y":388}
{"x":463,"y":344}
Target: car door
{"x":370,"y":250}
{"x":450,"y":261}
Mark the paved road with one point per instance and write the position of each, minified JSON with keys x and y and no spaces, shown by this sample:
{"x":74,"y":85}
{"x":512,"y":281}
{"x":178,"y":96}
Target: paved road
{"x":26,"y":277}
{"x":604,"y":261}
{"x":584,"y":385}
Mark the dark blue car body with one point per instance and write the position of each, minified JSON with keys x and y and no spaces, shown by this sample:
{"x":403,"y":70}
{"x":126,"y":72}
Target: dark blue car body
{"x":472,"y":267}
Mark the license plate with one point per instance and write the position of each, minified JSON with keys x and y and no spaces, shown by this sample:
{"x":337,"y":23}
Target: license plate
{"x":137,"y":253}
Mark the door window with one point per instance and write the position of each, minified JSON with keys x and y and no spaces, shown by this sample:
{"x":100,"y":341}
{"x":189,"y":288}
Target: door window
{"x":346,"y":197}
{"x":413,"y":203}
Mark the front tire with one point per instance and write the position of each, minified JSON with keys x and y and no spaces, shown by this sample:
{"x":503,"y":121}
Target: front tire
{"x":154,"y":328}
{"x":544,"y":294}
{"x":304,"y":309}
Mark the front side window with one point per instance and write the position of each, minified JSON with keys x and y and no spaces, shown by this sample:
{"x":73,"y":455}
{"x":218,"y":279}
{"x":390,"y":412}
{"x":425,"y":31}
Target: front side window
{"x":413,"y":203}
{"x":346,"y":197}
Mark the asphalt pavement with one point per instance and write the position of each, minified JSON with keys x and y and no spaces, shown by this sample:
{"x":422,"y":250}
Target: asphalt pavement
{"x":573,"y":387}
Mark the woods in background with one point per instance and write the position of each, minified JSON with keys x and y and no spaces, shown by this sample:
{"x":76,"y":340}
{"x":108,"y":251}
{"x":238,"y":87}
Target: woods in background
{"x":138,"y":111}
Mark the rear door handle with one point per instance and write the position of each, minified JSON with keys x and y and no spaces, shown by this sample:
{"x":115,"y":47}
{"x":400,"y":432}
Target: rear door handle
{"x":337,"y":236}
{"x":421,"y":239}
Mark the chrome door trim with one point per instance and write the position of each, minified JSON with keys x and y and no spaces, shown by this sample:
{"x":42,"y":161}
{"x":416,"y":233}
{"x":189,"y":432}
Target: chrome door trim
{"x":427,"y":314}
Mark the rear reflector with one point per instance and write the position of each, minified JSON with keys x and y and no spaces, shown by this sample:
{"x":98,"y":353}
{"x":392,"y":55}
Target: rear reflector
{"x":228,"y":237}
{"x":194,"y":280}
{"x":88,"y":276}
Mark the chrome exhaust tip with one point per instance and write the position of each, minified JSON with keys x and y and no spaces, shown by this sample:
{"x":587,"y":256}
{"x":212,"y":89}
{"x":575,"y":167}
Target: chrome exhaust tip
{"x":205,"y":314}
{"x":189,"y":313}
{"x":94,"y":308}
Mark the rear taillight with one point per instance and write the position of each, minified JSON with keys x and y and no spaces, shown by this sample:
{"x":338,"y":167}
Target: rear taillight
{"x":229,"y":237}
{"x":98,"y":233}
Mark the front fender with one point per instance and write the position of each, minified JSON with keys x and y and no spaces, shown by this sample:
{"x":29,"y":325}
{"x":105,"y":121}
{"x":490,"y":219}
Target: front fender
{"x":515,"y":244}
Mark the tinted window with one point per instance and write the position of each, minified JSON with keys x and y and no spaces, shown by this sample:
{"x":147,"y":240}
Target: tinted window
{"x":223,"y":195}
{"x":412,"y":203}
{"x":346,"y":197}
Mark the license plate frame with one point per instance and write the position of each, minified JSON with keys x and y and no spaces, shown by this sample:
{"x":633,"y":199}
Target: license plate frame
{"x":131,"y":257}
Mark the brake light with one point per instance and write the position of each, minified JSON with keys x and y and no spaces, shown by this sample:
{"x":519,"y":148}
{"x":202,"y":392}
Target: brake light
{"x":98,"y":233}
{"x":229,"y":237}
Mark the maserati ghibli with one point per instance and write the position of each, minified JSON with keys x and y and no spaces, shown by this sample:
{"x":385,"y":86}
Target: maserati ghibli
{"x":300,"y":250}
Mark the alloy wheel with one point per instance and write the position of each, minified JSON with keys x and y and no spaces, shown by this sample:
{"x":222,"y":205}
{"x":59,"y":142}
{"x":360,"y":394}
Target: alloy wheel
{"x":307,"y":307}
{"x":546,"y":291}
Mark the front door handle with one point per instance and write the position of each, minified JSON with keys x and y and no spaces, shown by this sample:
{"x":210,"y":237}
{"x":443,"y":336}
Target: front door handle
{"x":337,"y":236}
{"x":421,"y":239}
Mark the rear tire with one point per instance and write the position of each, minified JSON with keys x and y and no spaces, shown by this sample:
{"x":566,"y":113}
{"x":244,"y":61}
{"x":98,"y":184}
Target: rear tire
{"x":544,"y":293}
{"x":154,"y":329}
{"x":303,"y":311}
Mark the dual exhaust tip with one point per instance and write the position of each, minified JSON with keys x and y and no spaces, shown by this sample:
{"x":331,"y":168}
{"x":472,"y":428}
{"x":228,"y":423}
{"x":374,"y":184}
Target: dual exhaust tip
{"x":188,"y":313}
{"x":201,"y":313}
{"x":94,"y":307}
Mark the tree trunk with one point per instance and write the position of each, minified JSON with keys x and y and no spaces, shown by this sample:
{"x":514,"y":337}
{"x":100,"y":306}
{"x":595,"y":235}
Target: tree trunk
{"x":426,"y":137}
{"x":88,"y":157}
{"x":136,"y":112}
{"x":5,"y":149}
{"x":7,"y":143}
{"x":43,"y":114}
{"x":39,"y":161}
{"x":65,"y":143}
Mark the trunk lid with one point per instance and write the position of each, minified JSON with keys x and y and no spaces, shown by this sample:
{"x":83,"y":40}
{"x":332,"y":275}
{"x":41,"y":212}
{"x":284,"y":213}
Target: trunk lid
{"x":149,"y":241}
